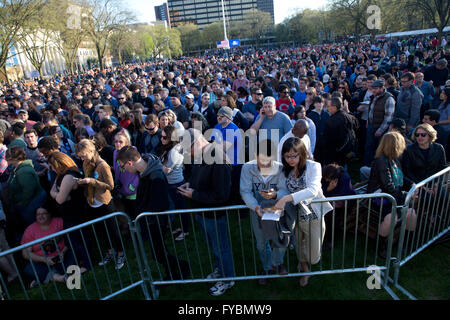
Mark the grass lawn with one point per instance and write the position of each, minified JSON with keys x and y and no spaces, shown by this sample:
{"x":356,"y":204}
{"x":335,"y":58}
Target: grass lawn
{"x":426,"y":276}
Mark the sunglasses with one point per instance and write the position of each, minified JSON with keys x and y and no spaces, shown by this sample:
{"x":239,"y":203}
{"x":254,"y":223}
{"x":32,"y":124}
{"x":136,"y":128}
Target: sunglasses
{"x":423,"y":135}
{"x":341,"y":87}
{"x":164,"y":137}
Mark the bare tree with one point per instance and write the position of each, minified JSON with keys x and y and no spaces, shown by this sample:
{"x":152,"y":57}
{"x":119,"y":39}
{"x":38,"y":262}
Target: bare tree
{"x":435,"y":11}
{"x":103,"y":18}
{"x":354,"y":11}
{"x":14,"y":16}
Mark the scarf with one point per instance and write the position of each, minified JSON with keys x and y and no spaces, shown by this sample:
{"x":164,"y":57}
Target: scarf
{"x":89,"y":171}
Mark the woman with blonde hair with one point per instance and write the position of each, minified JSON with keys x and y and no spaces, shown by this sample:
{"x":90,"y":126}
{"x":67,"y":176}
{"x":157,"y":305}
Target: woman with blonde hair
{"x":168,"y":117}
{"x":424,"y":157}
{"x":99,"y":183}
{"x":386,"y":176}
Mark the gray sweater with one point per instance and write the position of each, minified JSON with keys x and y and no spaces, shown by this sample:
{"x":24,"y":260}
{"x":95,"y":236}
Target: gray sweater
{"x":408,"y":106}
{"x":252,"y":183}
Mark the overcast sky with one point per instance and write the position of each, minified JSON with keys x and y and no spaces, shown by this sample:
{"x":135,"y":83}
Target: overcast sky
{"x":145,"y":12}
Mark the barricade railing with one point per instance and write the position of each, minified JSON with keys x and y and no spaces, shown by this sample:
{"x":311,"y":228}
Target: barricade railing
{"x":87,"y":244}
{"x":429,"y":202}
{"x":154,"y":258}
{"x":234,"y":243}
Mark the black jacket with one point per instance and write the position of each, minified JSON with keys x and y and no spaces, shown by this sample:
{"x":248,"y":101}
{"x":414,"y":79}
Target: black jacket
{"x":339,"y":130}
{"x":153,"y":191}
{"x":381,"y":174}
{"x":210,"y":115}
{"x":150,"y":143}
{"x":417,"y":168}
{"x":211,"y":184}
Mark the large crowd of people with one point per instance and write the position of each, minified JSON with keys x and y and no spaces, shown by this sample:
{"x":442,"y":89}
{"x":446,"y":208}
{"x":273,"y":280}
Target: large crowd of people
{"x":287,"y":122}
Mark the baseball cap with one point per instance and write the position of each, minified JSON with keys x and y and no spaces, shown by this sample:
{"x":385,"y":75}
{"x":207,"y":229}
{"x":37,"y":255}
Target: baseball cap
{"x":398,"y":123}
{"x":378,"y":83}
{"x":190,"y":96}
{"x":326,"y":78}
{"x":22,"y":111}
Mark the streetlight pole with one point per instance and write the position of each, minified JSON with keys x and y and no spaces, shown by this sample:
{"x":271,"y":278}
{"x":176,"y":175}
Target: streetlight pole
{"x":224,"y":24}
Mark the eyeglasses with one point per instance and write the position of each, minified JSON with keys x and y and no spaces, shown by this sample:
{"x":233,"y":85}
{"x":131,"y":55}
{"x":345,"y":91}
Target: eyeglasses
{"x":285,"y":92}
{"x":423,"y":135}
{"x":287,"y":157}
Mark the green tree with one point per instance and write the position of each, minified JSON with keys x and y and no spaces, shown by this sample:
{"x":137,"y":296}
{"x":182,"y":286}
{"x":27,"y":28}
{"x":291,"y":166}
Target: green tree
{"x":103,"y":18}
{"x":68,"y":35}
{"x":212,"y":33}
{"x":437,"y":12}
{"x":256,"y":24}
{"x":189,"y":36}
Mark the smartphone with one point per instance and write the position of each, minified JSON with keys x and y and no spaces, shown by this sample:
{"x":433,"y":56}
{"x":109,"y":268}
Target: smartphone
{"x":76,"y":179}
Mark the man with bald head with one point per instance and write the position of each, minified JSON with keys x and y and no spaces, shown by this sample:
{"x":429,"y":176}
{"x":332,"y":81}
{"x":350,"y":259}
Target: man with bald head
{"x":300,"y":130}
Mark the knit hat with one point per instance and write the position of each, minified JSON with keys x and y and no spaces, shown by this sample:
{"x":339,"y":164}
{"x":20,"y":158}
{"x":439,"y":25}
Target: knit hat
{"x":226,"y":111}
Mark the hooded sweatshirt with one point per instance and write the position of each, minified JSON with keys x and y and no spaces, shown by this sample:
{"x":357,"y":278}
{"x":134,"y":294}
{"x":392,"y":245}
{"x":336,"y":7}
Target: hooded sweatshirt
{"x":23,"y":184}
{"x":128,"y":181}
{"x":252,"y":183}
{"x":211,"y":183}
{"x":153,"y":191}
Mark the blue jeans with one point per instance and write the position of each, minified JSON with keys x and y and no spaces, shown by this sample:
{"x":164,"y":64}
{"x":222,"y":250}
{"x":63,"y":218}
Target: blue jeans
{"x":218,"y":242}
{"x":178,"y":202}
{"x":42,"y":269}
{"x":371,"y":145}
{"x":269,"y":257}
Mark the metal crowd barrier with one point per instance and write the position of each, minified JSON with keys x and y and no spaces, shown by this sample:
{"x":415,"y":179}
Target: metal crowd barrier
{"x":154,"y":258}
{"x":354,"y":245}
{"x":430,"y":199}
{"x":90,"y":242}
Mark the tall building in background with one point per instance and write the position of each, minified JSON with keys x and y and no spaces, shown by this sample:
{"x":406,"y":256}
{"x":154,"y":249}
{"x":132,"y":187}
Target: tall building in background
{"x":204,"y":12}
{"x":162,"y":13}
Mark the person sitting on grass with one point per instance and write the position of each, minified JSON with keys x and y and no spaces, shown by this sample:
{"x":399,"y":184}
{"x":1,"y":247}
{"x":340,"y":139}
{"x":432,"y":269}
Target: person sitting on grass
{"x":46,"y":262}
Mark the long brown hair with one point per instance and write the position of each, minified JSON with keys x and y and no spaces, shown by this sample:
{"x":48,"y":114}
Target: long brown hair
{"x":61,"y":163}
{"x":299,"y":147}
{"x":174,"y":138}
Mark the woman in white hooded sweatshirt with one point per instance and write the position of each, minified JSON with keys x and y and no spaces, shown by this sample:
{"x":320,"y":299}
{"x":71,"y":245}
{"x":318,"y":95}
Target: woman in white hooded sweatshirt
{"x":302,"y":179}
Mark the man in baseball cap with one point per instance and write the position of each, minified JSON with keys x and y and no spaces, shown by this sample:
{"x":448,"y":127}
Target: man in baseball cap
{"x":381,"y":111}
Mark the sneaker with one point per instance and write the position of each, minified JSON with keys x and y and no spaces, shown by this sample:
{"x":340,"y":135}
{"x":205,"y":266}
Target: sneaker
{"x":220,"y":287}
{"x":214,"y":275}
{"x":181,"y":236}
{"x":120,"y":262}
{"x":109,"y":257}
